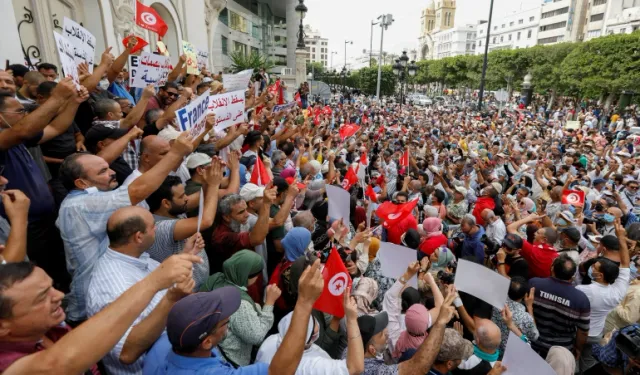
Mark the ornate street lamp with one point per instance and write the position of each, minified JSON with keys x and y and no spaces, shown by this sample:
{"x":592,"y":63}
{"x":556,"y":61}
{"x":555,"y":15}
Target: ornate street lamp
{"x":402,"y":69}
{"x":301,"y":9}
{"x":397,"y":68}
{"x":404,"y":59}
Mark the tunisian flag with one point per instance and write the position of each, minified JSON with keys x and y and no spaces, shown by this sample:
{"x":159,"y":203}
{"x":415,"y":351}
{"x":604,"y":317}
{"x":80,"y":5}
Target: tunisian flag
{"x":371,"y":194}
{"x":392,"y":214}
{"x":347,"y":131}
{"x":349,"y":179}
{"x":573,"y":197}
{"x":298,"y":99}
{"x":336,"y":281}
{"x":259,"y":175}
{"x":148,"y":18}
{"x":404,"y":160}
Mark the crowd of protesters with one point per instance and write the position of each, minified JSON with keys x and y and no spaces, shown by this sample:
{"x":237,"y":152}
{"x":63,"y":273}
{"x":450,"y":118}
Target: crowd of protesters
{"x":110,"y":265}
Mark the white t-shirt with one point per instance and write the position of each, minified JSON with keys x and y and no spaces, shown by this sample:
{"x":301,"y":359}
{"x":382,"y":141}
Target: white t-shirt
{"x":603,"y":299}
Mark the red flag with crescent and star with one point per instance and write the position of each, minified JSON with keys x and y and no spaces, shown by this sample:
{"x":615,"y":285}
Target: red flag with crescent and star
{"x":336,"y":281}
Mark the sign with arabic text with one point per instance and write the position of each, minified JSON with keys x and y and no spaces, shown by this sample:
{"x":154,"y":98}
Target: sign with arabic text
{"x":147,"y":69}
{"x":203,"y":59}
{"x":83,"y":42}
{"x":65,"y":52}
{"x":239,"y":81}
{"x":193,"y":117}
{"x":192,"y":57}
{"x":228,"y":108}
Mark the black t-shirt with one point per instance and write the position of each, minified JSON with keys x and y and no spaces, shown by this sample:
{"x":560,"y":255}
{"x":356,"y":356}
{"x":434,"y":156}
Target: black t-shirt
{"x":518,"y":267}
{"x":122,"y":169}
{"x":63,"y":145}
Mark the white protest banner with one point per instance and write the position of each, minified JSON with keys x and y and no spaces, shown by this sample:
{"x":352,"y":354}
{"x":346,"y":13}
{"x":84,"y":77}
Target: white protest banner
{"x":235,"y":82}
{"x":520,"y":359}
{"x":493,"y":289}
{"x":284,"y":107}
{"x":147,"y":69}
{"x":339,"y":203}
{"x":192,"y":57}
{"x":84,"y":43}
{"x":65,"y":52}
{"x":228,"y":108}
{"x":193,"y":117}
{"x":395,"y":259}
{"x":203,"y":59}
{"x":200,"y":208}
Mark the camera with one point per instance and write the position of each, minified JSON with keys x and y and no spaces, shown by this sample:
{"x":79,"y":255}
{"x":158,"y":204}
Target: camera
{"x":491,"y":247}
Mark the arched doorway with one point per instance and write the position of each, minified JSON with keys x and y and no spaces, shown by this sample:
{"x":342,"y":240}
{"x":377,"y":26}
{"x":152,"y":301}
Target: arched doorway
{"x":173,"y":38}
{"x":424,"y":53}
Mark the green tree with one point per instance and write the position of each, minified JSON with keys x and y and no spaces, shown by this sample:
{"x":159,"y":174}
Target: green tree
{"x":255,"y":61}
{"x":316,"y":67}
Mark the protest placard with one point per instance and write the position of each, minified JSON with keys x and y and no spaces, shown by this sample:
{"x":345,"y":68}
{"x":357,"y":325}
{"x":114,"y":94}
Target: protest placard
{"x":339,"y":203}
{"x":192,"y":57}
{"x":235,"y":82}
{"x":203,"y":59}
{"x":193,"y":117}
{"x":228,"y":108}
{"x":520,"y":359}
{"x":65,"y":52}
{"x":284,"y":107}
{"x":493,"y":289}
{"x":395,"y":259}
{"x":83,"y":42}
{"x":147,"y":69}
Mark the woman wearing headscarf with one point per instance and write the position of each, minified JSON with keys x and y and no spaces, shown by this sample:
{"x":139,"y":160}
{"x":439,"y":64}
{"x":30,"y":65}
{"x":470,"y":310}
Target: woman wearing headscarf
{"x":294,"y":243}
{"x":401,"y":297}
{"x":249,"y":325}
{"x":417,"y":320}
{"x":365,"y":292}
{"x":561,"y":360}
{"x":433,"y":238}
{"x":440,"y":258}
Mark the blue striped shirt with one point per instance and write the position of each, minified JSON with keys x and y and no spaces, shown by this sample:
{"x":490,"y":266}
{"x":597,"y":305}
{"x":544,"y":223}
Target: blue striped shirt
{"x":113,"y":274}
{"x":83,"y":227}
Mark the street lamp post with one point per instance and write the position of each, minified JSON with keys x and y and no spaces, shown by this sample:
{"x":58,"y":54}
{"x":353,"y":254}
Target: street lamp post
{"x":486,"y":54}
{"x":301,"y":53}
{"x":301,"y":9}
{"x":526,"y":88}
{"x":333,"y":53}
{"x":345,"y":51}
{"x":387,"y":20}
{"x":404,"y":70}
{"x":371,"y":44}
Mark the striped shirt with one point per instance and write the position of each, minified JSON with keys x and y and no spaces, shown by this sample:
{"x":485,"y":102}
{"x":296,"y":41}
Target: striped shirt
{"x":113,"y":274}
{"x":559,"y":311}
{"x":83,"y":227}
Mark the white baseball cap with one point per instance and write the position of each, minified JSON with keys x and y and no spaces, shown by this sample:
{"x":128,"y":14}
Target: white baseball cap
{"x":197,"y":159}
{"x":169,"y":133}
{"x":251,"y":191}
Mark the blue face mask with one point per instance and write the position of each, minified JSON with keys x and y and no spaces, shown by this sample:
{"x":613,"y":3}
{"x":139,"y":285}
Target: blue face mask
{"x":608,"y":218}
{"x":590,"y":273}
{"x":561,"y":222}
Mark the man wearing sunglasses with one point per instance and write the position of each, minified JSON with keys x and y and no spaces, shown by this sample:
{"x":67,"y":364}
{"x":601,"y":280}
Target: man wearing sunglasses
{"x":630,"y":196}
{"x":166,"y":96}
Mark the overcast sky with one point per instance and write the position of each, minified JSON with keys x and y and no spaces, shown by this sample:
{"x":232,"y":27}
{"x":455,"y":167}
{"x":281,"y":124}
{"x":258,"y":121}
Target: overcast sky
{"x":341,"y":20}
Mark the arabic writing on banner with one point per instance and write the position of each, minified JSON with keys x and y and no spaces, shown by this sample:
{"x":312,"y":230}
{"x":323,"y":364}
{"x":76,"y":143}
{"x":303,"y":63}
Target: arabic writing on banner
{"x":192,"y":57}
{"x":83,"y":42}
{"x":284,"y":107}
{"x":148,"y":69}
{"x":228,"y":108}
{"x":193,"y":117}
{"x":238,"y":81}
{"x":203,"y":59}
{"x":65,"y":52}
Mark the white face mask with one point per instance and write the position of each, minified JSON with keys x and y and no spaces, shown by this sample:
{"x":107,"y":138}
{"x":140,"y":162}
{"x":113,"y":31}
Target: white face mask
{"x":104,"y":84}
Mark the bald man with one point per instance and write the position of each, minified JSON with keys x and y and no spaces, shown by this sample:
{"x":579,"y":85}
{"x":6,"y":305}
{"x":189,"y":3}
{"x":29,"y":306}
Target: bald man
{"x":494,"y":226}
{"x":131,"y":231}
{"x":487,"y":341}
{"x":29,"y":90}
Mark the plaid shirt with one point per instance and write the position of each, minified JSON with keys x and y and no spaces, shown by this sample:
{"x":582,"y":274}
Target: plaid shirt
{"x":83,"y":227}
{"x":608,"y":354}
{"x":132,"y":154}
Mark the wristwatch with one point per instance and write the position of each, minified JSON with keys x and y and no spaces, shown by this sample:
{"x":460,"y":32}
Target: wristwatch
{"x":402,"y":280}
{"x":501,"y":263}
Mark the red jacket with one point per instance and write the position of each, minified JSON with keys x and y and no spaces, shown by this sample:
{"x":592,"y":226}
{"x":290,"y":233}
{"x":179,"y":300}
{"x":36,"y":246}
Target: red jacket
{"x":481,"y":204}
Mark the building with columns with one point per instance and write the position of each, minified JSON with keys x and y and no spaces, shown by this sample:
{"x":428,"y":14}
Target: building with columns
{"x":438,"y":16}
{"x":218,"y":26}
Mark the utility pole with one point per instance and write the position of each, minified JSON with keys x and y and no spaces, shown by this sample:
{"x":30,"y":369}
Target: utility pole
{"x":387,"y":20}
{"x":371,"y":44}
{"x":486,"y":55}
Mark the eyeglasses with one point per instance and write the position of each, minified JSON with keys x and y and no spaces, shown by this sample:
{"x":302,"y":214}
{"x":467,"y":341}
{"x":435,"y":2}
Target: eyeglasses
{"x":633,"y":187}
{"x":173,"y":94}
{"x":21,"y":111}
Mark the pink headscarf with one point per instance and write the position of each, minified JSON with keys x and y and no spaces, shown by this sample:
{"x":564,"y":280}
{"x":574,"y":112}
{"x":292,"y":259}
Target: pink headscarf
{"x":526,"y":206}
{"x":417,"y":321}
{"x":432,"y":226}
{"x":288,"y":172}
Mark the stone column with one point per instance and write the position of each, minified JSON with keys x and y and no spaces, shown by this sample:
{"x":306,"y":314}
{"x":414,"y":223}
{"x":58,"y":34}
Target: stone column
{"x":212,"y":11}
{"x":293,"y":23}
{"x":10,"y":48}
{"x":301,"y":67}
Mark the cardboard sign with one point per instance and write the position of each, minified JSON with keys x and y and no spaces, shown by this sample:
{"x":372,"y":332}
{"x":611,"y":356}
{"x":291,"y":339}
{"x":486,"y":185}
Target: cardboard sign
{"x":148,"y":69}
{"x":66,"y":54}
{"x":228,"y":108}
{"x":193,"y":117}
{"x":235,"y":82}
{"x":520,"y":359}
{"x":394,"y":260}
{"x":203,"y":59}
{"x":339,"y":203}
{"x":284,"y":107}
{"x":192,"y":57}
{"x":493,"y":289}
{"x":83,"y":42}
{"x":162,"y":49}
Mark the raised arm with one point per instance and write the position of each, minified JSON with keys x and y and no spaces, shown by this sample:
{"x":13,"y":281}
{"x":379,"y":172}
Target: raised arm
{"x":149,"y":182}
{"x":234,"y":175}
{"x":513,"y":227}
{"x":261,"y":229}
{"x":16,"y":205}
{"x":64,"y":119}
{"x":355,"y":351}
{"x":72,"y":355}
{"x":111,"y":152}
{"x":30,"y":125}
{"x":624,"y":249}
{"x":137,"y":112}
{"x":175,"y":73}
{"x":121,"y":61}
{"x":91,"y":81}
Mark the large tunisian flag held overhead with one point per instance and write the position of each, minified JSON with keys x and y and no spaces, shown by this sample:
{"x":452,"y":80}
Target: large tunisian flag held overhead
{"x":392,"y":214}
{"x":148,"y":18}
{"x":336,"y":280}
